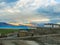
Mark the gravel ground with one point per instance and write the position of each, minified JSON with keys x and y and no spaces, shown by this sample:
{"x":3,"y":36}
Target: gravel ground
{"x":54,"y":40}
{"x":19,"y":42}
{"x":48,"y":40}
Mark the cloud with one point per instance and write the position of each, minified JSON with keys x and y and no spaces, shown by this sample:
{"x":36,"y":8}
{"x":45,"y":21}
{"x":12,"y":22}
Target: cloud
{"x":8,"y":1}
{"x":58,"y":23}
{"x":40,"y":20}
{"x":26,"y":11}
{"x":24,"y":5}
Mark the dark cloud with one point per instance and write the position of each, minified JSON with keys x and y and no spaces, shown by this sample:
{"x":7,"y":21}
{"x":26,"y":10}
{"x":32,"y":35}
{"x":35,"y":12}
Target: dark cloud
{"x":49,"y":11}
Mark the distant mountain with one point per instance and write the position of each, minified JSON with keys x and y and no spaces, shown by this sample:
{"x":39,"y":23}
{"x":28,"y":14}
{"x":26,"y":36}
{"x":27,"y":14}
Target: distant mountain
{"x":3,"y":24}
{"x":6,"y":25}
{"x":38,"y":24}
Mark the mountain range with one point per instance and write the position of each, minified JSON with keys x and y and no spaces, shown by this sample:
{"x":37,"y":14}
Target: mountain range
{"x":6,"y":25}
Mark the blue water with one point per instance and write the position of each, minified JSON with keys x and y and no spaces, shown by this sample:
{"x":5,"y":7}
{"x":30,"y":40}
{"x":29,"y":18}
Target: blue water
{"x":15,"y":27}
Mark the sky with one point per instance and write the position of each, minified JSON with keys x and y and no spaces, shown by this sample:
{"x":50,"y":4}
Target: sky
{"x":30,"y":11}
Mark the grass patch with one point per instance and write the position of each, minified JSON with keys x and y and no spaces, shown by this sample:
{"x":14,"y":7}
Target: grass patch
{"x":6,"y":31}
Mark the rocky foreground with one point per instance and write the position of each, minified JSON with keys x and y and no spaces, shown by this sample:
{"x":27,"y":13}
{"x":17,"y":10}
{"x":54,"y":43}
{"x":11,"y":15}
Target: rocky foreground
{"x":19,"y":42}
{"x":46,"y":40}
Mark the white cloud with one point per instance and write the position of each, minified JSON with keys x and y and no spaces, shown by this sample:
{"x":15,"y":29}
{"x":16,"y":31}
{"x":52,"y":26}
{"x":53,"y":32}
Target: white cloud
{"x":45,"y":20}
{"x":58,"y":23}
{"x":30,"y":5}
{"x":53,"y":2}
{"x":23,"y":10}
{"x":27,"y":5}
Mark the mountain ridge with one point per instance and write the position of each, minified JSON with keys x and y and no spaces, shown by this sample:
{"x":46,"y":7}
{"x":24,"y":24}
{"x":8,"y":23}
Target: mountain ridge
{"x":7,"y":25}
